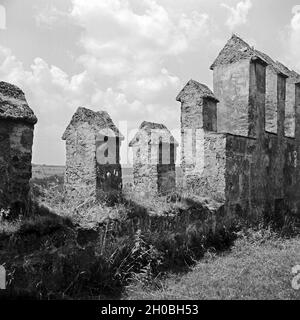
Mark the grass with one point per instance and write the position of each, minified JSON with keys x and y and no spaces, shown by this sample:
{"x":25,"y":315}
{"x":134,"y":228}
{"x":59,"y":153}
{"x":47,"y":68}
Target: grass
{"x":258,"y":266}
{"x":131,"y":248}
{"x":84,"y":249}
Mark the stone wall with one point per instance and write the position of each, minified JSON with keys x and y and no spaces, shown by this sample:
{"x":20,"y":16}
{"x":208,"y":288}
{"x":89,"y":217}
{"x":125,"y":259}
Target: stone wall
{"x":290,"y":112}
{"x":109,"y":180}
{"x":257,"y":99}
{"x":166,"y":178}
{"x":16,"y":139}
{"x":271,"y":100}
{"x":153,"y":167}
{"x":291,"y":192}
{"x":92,"y":167}
{"x":239,"y":154}
{"x":257,"y":189}
{"x":249,"y":165}
{"x":80,"y":174}
{"x":206,"y":177}
{"x":145,"y":179}
{"x":247,"y":177}
{"x":231,"y":87}
{"x":198,"y":122}
{"x":262,"y":172}
{"x":145,"y":161}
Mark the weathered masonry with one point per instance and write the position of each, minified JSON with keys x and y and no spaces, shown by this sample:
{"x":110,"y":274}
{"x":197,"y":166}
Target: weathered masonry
{"x":198,"y":124}
{"x":92,"y":154}
{"x":243,"y":151}
{"x":17,"y":122}
{"x":154,"y":151}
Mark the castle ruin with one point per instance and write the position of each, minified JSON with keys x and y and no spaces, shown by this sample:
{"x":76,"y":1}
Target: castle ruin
{"x":17,"y":122}
{"x":240,"y":142}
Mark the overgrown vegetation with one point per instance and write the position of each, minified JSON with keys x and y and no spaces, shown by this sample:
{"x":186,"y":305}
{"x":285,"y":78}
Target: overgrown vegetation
{"x":83,"y":249}
{"x":258,"y":266}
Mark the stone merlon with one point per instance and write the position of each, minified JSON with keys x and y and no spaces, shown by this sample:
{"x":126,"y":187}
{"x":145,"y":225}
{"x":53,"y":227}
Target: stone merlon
{"x":152,"y":133}
{"x":17,"y":122}
{"x":154,"y":156}
{"x":96,"y":120}
{"x":196,"y":89}
{"x":13,"y":105}
{"x":92,"y":154}
{"x":236,"y":49}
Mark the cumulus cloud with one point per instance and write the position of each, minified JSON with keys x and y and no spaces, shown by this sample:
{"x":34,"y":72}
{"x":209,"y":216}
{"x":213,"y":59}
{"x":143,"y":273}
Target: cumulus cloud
{"x":54,"y":96}
{"x":152,"y":27}
{"x":49,"y":16}
{"x":126,"y":47}
{"x":238,"y":15}
{"x":130,"y":42}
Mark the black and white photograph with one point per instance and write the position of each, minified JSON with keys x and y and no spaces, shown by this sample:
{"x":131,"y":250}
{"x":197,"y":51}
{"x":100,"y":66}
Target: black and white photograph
{"x":149,"y":151}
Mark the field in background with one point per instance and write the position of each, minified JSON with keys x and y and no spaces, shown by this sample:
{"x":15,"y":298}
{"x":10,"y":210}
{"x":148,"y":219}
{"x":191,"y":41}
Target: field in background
{"x":47,"y":171}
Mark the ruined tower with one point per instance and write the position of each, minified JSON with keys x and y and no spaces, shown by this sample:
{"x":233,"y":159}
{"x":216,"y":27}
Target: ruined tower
{"x":154,"y":157}
{"x":17,"y":122}
{"x":92,"y":154}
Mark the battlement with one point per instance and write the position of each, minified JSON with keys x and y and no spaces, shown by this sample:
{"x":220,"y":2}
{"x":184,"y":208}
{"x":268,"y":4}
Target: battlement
{"x":154,"y":157}
{"x":240,"y":142}
{"x":237,"y":82}
{"x":92,"y":154}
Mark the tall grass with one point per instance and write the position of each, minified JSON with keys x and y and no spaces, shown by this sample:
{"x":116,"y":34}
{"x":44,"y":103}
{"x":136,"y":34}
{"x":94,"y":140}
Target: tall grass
{"x":81,"y":248}
{"x":60,"y":254}
{"x":258,"y":266}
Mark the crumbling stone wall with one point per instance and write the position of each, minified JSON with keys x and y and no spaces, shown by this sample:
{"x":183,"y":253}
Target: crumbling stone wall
{"x":256,"y":180}
{"x":199,"y":145}
{"x":207,"y":179}
{"x":92,"y":155}
{"x":151,"y":177}
{"x":15,"y":162}
{"x":297,"y":131}
{"x":290,"y":112}
{"x":145,"y":167}
{"x":109,"y":179}
{"x":80,"y":174}
{"x":271,"y":100}
{"x":239,"y":167}
{"x":290,"y":106}
{"x":154,"y":150}
{"x":166,"y":178}
{"x":16,"y":138}
{"x":251,"y":165}
{"x":231,"y":82}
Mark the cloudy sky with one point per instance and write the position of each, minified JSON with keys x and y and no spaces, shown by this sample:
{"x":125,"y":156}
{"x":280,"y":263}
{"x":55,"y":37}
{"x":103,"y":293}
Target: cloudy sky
{"x":129,"y":57}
